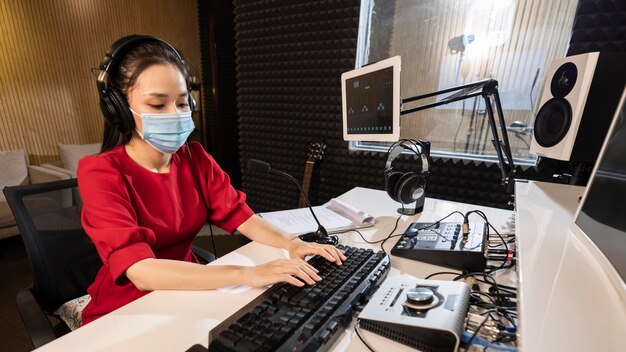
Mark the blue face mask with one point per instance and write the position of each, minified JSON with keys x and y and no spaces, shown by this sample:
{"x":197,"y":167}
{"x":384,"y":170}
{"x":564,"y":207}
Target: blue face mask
{"x":166,"y":132}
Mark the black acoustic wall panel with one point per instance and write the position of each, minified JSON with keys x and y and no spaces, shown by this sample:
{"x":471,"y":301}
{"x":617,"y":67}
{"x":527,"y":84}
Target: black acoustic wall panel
{"x":290,"y":56}
{"x":599,"y":25}
{"x":204,"y":25}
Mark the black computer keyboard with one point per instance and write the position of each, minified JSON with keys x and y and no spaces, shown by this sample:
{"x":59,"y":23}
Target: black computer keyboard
{"x":309,"y":318}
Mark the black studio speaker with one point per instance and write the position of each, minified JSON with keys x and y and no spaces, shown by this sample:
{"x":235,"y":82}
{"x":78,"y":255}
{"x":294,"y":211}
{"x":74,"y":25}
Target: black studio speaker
{"x":579,"y":98}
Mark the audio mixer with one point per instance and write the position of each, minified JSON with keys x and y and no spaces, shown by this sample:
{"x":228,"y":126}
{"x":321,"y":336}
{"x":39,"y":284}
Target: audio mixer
{"x":445,"y":244}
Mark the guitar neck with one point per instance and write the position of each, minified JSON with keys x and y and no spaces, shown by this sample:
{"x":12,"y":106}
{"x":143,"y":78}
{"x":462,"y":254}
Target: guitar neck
{"x":306,"y":183}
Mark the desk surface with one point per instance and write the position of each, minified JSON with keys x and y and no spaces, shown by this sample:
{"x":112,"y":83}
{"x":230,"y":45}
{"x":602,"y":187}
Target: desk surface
{"x":568,"y":298}
{"x":176,"y":320}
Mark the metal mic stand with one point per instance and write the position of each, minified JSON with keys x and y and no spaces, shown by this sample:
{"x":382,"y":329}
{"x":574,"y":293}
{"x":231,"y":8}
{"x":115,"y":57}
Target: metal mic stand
{"x":487,"y":89}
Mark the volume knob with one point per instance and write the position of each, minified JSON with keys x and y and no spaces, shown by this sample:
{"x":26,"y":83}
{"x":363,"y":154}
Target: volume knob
{"x":419,"y":295}
{"x":420,"y":299}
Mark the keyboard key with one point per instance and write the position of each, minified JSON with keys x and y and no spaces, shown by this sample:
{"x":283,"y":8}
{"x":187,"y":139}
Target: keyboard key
{"x":228,"y":338}
{"x":247,"y":345}
{"x":332,"y":326}
{"x":325,"y":336}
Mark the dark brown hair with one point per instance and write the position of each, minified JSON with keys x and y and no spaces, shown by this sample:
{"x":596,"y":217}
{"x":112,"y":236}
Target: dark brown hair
{"x":124,"y":74}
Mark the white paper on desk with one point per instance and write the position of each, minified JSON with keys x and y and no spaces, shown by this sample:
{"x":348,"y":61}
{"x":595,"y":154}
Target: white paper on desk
{"x":355,"y":215}
{"x":334,"y":215}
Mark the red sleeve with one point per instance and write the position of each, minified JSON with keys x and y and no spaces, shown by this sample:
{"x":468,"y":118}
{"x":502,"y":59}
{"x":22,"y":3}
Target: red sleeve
{"x":108,"y":217}
{"x":227,"y":206}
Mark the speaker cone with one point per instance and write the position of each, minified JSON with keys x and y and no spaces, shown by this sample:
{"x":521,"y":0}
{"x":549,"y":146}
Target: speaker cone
{"x":552,"y":122}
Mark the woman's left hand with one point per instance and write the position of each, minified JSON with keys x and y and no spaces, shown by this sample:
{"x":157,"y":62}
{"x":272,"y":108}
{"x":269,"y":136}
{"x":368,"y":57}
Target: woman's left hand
{"x":299,"y":249}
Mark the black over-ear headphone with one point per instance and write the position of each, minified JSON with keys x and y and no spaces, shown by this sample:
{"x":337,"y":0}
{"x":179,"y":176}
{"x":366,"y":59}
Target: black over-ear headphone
{"x":407,"y":187}
{"x":113,"y":102}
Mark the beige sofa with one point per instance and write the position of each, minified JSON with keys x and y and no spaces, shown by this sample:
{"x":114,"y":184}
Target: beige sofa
{"x":16,"y":171}
{"x":69,"y":155}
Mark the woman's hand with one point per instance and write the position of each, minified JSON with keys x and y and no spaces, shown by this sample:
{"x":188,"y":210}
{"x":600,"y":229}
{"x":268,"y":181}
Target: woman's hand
{"x":300,"y":249}
{"x":293,"y":271}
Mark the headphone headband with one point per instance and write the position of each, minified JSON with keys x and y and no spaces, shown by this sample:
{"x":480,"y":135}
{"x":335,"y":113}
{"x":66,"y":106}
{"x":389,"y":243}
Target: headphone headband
{"x":416,"y":146}
{"x":119,"y":48}
{"x":407,"y":187}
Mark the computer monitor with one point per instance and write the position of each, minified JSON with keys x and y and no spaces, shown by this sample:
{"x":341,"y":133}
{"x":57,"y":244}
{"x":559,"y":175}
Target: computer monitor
{"x":601,"y":215}
{"x":371,"y":102}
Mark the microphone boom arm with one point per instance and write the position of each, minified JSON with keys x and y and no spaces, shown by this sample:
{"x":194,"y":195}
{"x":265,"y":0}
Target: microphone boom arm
{"x":320,"y":235}
{"x":301,"y":191}
{"x":486,"y":89}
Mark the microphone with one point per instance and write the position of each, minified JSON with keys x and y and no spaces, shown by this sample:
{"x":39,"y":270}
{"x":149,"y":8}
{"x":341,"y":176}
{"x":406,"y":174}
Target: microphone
{"x":319,"y":236}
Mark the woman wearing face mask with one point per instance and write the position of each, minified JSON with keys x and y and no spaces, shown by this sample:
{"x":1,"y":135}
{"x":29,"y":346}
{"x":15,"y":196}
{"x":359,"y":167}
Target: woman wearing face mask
{"x":143,"y":194}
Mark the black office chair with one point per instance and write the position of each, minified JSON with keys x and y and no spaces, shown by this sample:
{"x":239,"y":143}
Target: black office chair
{"x":63,"y":260}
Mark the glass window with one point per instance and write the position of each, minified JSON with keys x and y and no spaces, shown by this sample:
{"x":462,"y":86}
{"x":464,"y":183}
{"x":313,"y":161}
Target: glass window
{"x":446,"y":43}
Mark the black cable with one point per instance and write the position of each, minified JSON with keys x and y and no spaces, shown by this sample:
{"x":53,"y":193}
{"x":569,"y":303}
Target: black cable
{"x":382,"y":242}
{"x":482,"y":215}
{"x":506,"y":247}
{"x":357,"y":328}
{"x":501,"y":311}
{"x":504,"y":265}
{"x":441,"y":273}
{"x":506,"y":287}
{"x":213,"y":241}
{"x":469,"y":343}
{"x":505,"y":292}
{"x":484,"y":275}
{"x":196,"y":178}
{"x":484,"y":294}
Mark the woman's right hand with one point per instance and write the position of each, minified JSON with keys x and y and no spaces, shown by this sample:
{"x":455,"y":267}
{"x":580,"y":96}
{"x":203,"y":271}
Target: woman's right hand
{"x":294,"y":271}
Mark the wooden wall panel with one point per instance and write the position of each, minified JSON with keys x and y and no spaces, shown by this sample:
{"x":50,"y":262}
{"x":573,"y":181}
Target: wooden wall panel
{"x":47,"y":50}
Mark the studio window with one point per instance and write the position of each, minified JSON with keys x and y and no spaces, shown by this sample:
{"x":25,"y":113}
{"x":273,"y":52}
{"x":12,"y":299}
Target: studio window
{"x":447,"y":43}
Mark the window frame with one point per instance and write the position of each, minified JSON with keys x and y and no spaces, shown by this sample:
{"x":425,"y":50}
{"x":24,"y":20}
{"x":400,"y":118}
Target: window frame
{"x":362,"y":53}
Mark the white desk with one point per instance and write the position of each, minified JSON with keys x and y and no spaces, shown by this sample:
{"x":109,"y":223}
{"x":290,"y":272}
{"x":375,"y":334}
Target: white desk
{"x":176,"y":320}
{"x":568,"y":300}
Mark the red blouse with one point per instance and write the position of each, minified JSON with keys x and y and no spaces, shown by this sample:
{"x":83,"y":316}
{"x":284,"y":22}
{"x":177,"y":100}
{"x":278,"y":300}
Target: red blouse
{"x":131,"y":213}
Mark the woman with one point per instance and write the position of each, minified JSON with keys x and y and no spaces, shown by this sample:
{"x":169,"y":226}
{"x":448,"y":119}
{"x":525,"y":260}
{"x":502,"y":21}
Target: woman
{"x":147,"y":194}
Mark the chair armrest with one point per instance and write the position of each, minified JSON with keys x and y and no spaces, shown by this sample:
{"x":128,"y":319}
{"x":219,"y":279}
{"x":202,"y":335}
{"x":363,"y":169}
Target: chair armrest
{"x":203,"y":255}
{"x":59,"y":169}
{"x":39,"y":174}
{"x":35,"y":320}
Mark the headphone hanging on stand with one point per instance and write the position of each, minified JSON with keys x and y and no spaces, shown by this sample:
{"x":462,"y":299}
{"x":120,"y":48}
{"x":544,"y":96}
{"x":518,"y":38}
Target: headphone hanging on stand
{"x":113,"y":103}
{"x":407,"y":187}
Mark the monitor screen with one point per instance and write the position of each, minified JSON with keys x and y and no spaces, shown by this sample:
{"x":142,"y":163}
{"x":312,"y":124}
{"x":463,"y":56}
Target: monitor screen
{"x":602,"y":213}
{"x":371,"y":102}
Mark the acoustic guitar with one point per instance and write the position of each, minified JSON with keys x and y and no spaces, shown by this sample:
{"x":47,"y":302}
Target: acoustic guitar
{"x":315,"y":152}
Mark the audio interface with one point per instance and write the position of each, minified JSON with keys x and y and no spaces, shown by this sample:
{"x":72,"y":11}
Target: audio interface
{"x":444,"y":244}
{"x":428,"y":315}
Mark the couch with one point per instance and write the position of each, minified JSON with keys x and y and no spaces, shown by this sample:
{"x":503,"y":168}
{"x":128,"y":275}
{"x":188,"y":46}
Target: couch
{"x":17,"y":171}
{"x":69,"y":155}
